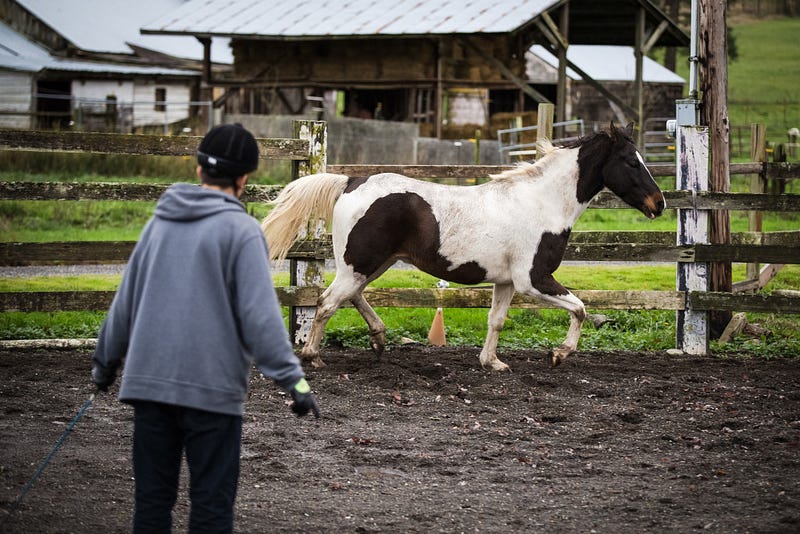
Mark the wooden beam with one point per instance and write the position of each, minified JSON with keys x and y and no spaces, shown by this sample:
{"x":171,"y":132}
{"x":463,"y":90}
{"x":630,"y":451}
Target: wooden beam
{"x":468,"y":297}
{"x":714,"y":79}
{"x":654,"y":36}
{"x":153,"y":145}
{"x":505,"y":71}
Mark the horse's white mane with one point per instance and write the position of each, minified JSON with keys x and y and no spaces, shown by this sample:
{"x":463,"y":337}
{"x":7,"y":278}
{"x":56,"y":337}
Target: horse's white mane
{"x":527,"y":169}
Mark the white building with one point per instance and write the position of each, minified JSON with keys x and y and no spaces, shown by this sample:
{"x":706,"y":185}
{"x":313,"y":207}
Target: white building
{"x":83,"y":64}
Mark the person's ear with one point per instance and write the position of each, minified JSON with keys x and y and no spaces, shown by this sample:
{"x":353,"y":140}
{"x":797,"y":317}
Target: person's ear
{"x":241,"y":182}
{"x":199,"y":172}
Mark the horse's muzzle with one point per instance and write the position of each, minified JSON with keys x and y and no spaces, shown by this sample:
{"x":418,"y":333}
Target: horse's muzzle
{"x":654,"y":205}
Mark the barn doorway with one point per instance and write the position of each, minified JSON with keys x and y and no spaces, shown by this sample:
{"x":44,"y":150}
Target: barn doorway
{"x":53,"y":100}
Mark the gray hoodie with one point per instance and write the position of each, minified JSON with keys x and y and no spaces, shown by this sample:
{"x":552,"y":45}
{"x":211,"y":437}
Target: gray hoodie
{"x":196,"y":307}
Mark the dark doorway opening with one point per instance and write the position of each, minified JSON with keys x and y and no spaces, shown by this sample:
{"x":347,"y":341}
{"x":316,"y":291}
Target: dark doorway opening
{"x":53,"y":99}
{"x":385,"y":104}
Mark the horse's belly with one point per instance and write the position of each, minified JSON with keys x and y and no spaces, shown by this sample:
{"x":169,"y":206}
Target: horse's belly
{"x":472,"y":271}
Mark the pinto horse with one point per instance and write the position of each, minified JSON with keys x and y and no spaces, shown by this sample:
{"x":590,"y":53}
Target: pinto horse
{"x":511,"y":231}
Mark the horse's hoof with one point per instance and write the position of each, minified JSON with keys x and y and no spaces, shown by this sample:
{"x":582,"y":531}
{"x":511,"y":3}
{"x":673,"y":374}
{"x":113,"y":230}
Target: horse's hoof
{"x":496,"y":365}
{"x":377,"y":344}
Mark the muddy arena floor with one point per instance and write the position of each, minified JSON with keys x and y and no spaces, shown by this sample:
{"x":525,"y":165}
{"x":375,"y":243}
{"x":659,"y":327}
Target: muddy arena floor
{"x":424,"y":440}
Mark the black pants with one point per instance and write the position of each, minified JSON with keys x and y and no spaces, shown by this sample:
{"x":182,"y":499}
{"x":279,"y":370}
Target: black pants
{"x":212,"y":442}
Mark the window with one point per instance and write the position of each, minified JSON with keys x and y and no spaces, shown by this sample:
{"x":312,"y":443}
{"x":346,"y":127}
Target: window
{"x":161,"y":99}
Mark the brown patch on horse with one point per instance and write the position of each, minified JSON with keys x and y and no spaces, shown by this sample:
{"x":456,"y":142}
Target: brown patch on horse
{"x":355,"y":183}
{"x":402,"y":226}
{"x":546,"y":260}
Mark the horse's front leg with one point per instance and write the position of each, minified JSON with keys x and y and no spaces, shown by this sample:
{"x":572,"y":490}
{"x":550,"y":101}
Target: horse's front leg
{"x":501,"y":299}
{"x":549,"y":290}
{"x":377,"y":329}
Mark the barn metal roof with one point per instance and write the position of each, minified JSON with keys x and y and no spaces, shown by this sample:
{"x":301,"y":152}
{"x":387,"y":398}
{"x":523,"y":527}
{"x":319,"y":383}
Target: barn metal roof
{"x":110,"y":25}
{"x":290,"y":18}
{"x":20,"y":54}
{"x":592,"y":21}
{"x":606,"y":63}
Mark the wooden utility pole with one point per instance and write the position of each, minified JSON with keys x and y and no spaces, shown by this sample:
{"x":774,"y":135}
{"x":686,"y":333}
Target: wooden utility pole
{"x":714,"y":86}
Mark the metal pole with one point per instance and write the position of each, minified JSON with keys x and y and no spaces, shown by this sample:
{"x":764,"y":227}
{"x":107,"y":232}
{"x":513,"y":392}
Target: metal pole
{"x":693,"y":54}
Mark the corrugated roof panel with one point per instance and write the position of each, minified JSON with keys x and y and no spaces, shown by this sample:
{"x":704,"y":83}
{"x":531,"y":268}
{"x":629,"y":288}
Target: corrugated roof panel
{"x":609,"y":63}
{"x":109,"y":25}
{"x":350,"y":17}
{"x":19,"y":53}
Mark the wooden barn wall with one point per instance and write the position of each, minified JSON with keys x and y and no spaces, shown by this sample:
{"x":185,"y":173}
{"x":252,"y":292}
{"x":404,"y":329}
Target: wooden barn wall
{"x":371,"y":62}
{"x":16,"y":99}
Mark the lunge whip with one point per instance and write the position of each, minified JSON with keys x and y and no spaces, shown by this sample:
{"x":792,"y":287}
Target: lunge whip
{"x":49,"y":457}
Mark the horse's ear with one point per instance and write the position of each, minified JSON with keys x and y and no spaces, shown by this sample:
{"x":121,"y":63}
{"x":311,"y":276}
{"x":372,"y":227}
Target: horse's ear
{"x":629,"y":129}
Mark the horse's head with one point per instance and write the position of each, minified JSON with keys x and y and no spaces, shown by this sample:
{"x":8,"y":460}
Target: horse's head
{"x":626,"y":175}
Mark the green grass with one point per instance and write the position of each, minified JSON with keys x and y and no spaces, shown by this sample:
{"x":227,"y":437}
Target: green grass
{"x":763,"y":81}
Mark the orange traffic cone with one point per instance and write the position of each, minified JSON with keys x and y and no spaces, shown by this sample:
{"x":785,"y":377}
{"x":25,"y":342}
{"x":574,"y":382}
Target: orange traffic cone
{"x":436,"y":335}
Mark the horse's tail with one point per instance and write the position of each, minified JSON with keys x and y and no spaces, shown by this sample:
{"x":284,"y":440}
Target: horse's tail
{"x":304,"y":199}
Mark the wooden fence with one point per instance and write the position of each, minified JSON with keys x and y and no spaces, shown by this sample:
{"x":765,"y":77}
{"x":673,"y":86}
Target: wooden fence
{"x":307,"y":150}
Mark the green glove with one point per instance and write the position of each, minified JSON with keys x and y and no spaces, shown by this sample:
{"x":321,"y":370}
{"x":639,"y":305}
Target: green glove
{"x":304,"y":400}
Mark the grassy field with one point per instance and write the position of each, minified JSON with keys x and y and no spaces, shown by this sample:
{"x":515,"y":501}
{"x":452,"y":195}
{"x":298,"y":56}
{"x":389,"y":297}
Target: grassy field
{"x":764,"y":80}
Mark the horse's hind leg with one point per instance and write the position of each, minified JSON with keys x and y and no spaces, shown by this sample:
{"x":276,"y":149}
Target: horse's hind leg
{"x":554,"y":293}
{"x":501,"y":299}
{"x":377,"y":329}
{"x":340,"y":290}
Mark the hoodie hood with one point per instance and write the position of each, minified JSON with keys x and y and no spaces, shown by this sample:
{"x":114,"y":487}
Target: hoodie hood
{"x":188,"y":202}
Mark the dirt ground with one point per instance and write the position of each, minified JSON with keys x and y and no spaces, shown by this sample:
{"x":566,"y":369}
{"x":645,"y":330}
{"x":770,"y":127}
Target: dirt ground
{"x":423,"y":440}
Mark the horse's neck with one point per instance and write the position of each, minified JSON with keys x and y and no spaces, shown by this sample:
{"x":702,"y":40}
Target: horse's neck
{"x":552,"y":187}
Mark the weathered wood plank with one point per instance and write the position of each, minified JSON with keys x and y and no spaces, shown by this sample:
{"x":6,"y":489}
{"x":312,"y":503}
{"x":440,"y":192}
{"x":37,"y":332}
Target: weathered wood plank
{"x":80,"y":191}
{"x":421,"y":171}
{"x":782,"y":170}
{"x":265,"y":193}
{"x":52,"y":301}
{"x":445,"y":298}
{"x":154,"y":145}
{"x":110,"y":191}
{"x":583,"y":246}
{"x":98,"y":252}
{"x":700,"y":300}
{"x":711,"y":201}
{"x":65,"y":252}
{"x":747,"y":253}
{"x":773,"y":170}
{"x":471,"y":297}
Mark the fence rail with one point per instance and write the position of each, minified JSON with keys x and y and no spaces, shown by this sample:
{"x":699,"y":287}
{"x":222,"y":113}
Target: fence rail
{"x":745,"y":247}
{"x":775,"y":247}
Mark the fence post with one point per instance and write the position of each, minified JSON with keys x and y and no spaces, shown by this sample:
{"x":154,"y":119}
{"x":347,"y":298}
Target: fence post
{"x":758,"y":144}
{"x":692,"y":174}
{"x":304,"y":273}
{"x":544,"y":124}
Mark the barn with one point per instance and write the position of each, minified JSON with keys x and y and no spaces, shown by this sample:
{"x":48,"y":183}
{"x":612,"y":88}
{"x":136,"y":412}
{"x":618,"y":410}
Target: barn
{"x":411,"y":60}
{"x":84,"y":65}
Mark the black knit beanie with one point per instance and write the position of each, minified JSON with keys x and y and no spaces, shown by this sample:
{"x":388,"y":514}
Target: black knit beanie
{"x":228,"y":151}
